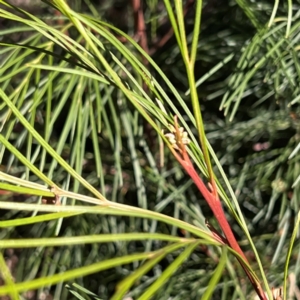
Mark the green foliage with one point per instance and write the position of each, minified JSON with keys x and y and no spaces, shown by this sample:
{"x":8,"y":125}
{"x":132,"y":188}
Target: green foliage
{"x":83,"y":113}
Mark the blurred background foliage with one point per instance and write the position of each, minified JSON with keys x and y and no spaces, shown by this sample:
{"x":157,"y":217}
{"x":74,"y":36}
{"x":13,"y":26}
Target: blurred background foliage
{"x":255,"y":135}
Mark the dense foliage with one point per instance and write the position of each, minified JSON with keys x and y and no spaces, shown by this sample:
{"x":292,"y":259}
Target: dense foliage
{"x":88,"y":92}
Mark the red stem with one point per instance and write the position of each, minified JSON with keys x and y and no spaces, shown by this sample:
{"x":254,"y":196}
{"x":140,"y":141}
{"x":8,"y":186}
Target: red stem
{"x":216,"y":207}
{"x":214,"y":203}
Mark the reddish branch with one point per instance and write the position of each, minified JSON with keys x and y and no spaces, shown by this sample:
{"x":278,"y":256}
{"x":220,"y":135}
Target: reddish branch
{"x":170,"y":32}
{"x":139,"y":25}
{"x":215,"y":204}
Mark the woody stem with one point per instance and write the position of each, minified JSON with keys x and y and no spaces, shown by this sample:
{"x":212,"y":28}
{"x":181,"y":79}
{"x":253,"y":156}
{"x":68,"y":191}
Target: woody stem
{"x":214,"y":203}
